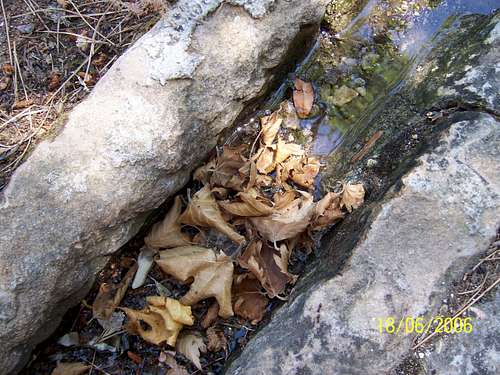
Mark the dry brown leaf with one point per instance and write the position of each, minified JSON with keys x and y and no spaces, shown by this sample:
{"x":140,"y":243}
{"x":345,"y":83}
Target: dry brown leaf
{"x":203,"y":211}
{"x":305,"y":175}
{"x":191,"y":345}
{"x":265,"y":160}
{"x":212,"y":273}
{"x":281,"y":200}
{"x":175,"y":368}
{"x":270,"y":127}
{"x":327,"y":211}
{"x":252,"y":205}
{"x":216,"y":340}
{"x":204,"y":172}
{"x":110,"y":295}
{"x":211,"y":315}
{"x":21,"y":104}
{"x":352,"y":196}
{"x":263,"y":180}
{"x":262,"y":260}
{"x":285,"y":150}
{"x":167,"y":233}
{"x":165,"y":318}
{"x":226,"y":171}
{"x":220,"y":192}
{"x":287,"y":222}
{"x":250,"y":303}
{"x":303,"y":97}
{"x":70,"y":368}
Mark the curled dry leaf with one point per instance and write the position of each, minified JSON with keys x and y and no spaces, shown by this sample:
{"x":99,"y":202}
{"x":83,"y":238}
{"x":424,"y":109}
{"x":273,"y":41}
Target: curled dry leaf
{"x":109,"y":296}
{"x":165,"y":318}
{"x":270,"y":128}
{"x":251,"y":205}
{"x":266,"y":264}
{"x":303,"y":97}
{"x":70,"y":368}
{"x":249,"y":302}
{"x":191,"y":345}
{"x":287,"y":222}
{"x":352,"y":196}
{"x":167,"y":233}
{"x":327,"y":211}
{"x":216,"y":340}
{"x":203,"y":211}
{"x":212,"y":273}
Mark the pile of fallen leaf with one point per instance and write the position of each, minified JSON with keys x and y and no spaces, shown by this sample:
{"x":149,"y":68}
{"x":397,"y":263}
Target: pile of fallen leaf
{"x":258,"y":198}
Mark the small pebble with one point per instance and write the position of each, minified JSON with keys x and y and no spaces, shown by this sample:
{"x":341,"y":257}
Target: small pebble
{"x":26,"y":29}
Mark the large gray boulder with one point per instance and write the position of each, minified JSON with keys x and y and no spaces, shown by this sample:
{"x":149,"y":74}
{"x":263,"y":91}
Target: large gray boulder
{"x":133,"y":143}
{"x":432,"y":210}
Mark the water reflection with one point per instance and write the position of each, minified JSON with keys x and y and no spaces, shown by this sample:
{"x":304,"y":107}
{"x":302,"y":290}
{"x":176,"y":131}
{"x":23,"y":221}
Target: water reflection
{"x":378,"y":48}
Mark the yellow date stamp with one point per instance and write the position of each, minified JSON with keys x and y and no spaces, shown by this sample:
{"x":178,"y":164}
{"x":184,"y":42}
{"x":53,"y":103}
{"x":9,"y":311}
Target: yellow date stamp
{"x":409,"y":325}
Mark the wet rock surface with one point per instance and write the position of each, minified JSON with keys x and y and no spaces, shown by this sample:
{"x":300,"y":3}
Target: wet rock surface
{"x":128,"y":147}
{"x":428,"y":155}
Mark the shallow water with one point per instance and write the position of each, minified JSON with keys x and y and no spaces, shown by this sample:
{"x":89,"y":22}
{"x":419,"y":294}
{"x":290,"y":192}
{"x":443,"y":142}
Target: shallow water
{"x":378,"y":49}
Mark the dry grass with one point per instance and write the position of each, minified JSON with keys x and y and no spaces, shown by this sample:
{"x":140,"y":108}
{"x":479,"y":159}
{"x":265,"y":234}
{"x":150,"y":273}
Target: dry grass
{"x":51,"y":55}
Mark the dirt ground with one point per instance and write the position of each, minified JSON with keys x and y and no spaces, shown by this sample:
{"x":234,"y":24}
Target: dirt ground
{"x":51,"y":55}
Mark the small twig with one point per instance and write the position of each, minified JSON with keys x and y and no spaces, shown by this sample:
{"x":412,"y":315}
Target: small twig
{"x":471,"y":302}
{"x":88,"y":24}
{"x":6,"y":24}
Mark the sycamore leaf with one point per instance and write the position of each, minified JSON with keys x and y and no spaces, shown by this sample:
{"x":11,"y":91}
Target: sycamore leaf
{"x":252,"y":205}
{"x":165,"y":318}
{"x":212,"y":273}
{"x":70,"y":368}
{"x":270,"y":127}
{"x":287,"y":222}
{"x":167,"y":233}
{"x":190,"y":345}
{"x":110,"y":295}
{"x":303,"y":97}
{"x":352,"y":196}
{"x":261,"y":259}
{"x":203,"y":211}
{"x":327,"y":211}
{"x":250,"y":303}
{"x":216,"y":340}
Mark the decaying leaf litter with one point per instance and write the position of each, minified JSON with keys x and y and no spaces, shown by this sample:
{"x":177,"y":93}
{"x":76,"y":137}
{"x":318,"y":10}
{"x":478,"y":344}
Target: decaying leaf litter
{"x":220,"y":256}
